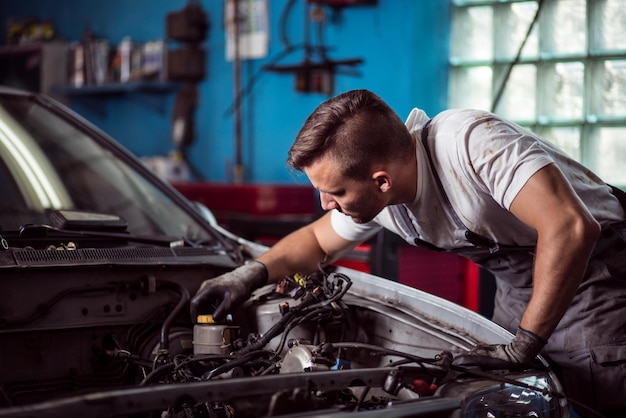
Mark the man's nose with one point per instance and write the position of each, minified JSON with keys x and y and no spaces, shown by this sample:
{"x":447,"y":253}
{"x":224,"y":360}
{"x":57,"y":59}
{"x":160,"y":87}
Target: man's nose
{"x":328,"y":203}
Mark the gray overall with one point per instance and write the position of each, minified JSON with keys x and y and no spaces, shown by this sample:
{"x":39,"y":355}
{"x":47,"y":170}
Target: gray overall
{"x":588,"y":348}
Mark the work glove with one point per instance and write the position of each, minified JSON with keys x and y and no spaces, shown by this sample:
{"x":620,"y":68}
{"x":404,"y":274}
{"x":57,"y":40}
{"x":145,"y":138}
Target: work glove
{"x":225,"y":292}
{"x":518,"y":354}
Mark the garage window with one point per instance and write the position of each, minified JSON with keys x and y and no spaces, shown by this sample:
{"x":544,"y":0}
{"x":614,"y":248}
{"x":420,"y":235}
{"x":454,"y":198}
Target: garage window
{"x":555,"y":66}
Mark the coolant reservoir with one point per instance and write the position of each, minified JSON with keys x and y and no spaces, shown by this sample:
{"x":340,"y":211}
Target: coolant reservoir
{"x":212,"y":338}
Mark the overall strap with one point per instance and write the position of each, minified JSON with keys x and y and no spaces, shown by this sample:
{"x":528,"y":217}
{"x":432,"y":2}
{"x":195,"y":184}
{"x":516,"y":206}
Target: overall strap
{"x":404,"y":219}
{"x":470,"y":236}
{"x":446,"y":201}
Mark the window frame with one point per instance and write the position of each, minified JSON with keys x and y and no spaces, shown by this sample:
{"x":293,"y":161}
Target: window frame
{"x":593,"y":127}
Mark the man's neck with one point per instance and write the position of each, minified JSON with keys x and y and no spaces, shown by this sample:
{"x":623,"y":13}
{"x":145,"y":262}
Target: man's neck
{"x":405,"y":181}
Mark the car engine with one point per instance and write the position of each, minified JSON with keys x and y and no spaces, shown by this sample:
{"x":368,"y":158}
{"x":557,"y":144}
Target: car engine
{"x":74,"y":342}
{"x":300,"y":327}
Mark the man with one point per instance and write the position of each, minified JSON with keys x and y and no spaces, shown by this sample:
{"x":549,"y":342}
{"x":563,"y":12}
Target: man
{"x":470,"y":183}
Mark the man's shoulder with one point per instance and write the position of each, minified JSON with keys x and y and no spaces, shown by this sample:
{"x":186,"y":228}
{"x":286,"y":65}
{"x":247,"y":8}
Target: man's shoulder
{"x":455,"y":119}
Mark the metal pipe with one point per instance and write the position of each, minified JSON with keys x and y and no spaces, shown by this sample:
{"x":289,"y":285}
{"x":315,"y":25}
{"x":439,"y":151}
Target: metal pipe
{"x":238,"y":168}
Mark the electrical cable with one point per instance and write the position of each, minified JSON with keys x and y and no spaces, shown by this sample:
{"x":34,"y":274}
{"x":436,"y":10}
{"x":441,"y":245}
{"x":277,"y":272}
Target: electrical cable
{"x":388,"y":351}
{"x":320,"y":38}
{"x":252,"y":355}
{"x":288,"y":49}
{"x":175,"y":367}
{"x":252,"y":81}
{"x":282,"y":25}
{"x":320,"y":312}
{"x":157,"y":372}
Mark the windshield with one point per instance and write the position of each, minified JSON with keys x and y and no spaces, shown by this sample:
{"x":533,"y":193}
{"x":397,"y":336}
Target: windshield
{"x":48,"y":163}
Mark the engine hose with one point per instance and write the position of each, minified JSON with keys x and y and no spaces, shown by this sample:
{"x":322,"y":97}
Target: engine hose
{"x":182,"y":302}
{"x":278,"y":327}
{"x":319,"y":312}
{"x":234,"y":363}
{"x":157,"y":372}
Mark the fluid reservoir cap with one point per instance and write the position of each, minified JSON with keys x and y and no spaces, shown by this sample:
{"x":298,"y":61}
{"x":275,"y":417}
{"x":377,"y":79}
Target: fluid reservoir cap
{"x":205,"y":319}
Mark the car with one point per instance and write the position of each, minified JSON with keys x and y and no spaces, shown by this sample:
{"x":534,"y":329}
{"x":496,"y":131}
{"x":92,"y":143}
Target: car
{"x":99,"y":258}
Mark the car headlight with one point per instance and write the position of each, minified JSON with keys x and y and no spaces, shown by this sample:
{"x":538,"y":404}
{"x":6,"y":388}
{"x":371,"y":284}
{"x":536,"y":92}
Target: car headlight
{"x":491,"y":399}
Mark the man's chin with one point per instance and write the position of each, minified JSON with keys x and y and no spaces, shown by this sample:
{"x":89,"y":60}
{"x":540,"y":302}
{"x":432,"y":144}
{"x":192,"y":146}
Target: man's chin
{"x":360,"y":220}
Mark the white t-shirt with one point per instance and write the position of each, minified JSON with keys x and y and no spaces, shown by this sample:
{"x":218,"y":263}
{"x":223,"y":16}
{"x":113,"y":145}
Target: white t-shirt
{"x":482,"y":162}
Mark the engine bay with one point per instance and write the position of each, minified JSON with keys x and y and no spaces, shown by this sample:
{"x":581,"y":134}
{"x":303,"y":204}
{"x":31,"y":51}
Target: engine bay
{"x":74,"y":342}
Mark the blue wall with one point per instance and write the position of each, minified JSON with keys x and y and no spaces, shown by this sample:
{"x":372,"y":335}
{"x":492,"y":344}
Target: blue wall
{"x":404,"y":44}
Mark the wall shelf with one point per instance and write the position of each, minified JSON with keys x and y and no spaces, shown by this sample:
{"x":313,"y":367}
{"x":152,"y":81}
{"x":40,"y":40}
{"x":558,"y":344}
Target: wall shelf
{"x":146,"y":92}
{"x":34,"y":67}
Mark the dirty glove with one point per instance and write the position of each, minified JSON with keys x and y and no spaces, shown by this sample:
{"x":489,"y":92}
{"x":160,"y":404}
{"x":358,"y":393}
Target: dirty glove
{"x":517,"y":354}
{"x":226,"y":291}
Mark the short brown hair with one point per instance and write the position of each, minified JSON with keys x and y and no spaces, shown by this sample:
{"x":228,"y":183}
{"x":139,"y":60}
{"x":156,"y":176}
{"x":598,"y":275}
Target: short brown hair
{"x":357,"y":128}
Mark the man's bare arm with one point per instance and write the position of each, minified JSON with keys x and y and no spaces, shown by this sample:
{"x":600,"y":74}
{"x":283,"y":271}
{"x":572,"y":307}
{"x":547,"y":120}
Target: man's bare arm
{"x":566,"y":235}
{"x":303,"y":250}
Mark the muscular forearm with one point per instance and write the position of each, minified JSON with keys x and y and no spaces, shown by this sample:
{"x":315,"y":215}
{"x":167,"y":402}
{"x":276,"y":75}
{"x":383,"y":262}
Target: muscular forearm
{"x":303,"y":250}
{"x":566,"y":234}
{"x":297,"y":252}
{"x":561,"y":259}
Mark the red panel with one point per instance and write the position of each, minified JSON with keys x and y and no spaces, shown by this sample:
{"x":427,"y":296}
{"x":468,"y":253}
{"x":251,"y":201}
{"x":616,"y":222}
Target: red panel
{"x":472,"y":286}
{"x":354,"y":264}
{"x":261,"y":200}
{"x":443,"y":274}
{"x":357,"y":259}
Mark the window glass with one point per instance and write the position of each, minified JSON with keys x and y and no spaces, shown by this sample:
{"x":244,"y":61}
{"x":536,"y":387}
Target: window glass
{"x":608,"y":30}
{"x":608,"y":146}
{"x":517,"y":101}
{"x":472,"y":31}
{"x":511,"y":24}
{"x":561,"y":93}
{"x":563,"y":27}
{"x":51,"y":162}
{"x":566,"y":138}
{"x":608,"y":95}
{"x":568,"y":82}
{"x":471,"y":87}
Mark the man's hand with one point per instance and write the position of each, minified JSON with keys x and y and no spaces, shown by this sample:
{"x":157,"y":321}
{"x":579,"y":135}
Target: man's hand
{"x":226,"y":291}
{"x":517,"y":354}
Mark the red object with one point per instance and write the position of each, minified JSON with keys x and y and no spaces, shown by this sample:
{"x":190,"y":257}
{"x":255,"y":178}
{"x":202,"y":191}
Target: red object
{"x":357,"y":259}
{"x":443,"y":274}
{"x":252,"y":199}
{"x":423,"y":388}
{"x":472,"y":286}
{"x":265,"y":212}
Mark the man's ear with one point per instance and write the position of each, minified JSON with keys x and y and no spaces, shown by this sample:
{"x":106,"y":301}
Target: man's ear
{"x":383,"y":180}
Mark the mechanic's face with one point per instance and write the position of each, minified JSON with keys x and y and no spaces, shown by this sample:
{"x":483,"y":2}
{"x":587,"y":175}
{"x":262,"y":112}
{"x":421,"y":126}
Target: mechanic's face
{"x":362,"y":200}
